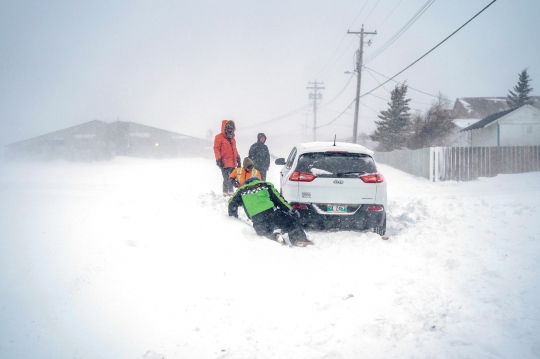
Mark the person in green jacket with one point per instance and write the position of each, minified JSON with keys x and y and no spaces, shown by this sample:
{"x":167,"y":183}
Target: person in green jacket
{"x":268,"y":211}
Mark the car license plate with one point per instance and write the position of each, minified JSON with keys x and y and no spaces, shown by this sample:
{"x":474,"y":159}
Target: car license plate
{"x":336,"y":208}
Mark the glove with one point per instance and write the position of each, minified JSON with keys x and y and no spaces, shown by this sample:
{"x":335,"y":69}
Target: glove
{"x":219,"y":163}
{"x":294,"y":212}
{"x":239,"y":162}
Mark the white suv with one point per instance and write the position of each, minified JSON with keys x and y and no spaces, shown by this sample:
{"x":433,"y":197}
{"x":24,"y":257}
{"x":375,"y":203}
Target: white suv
{"x":335,"y":185}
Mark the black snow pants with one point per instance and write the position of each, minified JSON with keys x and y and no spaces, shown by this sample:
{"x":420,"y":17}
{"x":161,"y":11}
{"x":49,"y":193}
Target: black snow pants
{"x":227,"y":182}
{"x":266,"y":222}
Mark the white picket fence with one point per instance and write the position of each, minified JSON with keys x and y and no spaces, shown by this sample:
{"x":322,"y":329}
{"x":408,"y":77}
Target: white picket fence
{"x":463,"y":163}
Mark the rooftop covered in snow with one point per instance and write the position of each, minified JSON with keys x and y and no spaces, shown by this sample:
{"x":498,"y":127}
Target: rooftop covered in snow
{"x":482,"y":107}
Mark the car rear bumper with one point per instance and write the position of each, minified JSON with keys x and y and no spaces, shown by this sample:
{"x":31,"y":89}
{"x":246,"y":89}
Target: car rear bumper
{"x":361,"y":218}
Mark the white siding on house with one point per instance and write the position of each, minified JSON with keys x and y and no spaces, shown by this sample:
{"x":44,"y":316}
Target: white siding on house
{"x":486,"y":136}
{"x":517,"y":128}
{"x":520,"y":135}
{"x":521,"y":127}
{"x":523,"y":115}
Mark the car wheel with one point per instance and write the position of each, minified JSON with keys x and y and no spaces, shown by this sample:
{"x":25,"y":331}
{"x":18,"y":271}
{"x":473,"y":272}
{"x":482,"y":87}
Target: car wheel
{"x":381,"y":230}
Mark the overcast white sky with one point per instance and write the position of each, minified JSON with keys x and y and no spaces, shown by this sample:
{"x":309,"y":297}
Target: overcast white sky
{"x":186,"y":65}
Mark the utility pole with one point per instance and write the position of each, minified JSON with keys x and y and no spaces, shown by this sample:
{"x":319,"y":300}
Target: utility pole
{"x":359,"y":76}
{"x":305,"y":127}
{"x":315,"y":97}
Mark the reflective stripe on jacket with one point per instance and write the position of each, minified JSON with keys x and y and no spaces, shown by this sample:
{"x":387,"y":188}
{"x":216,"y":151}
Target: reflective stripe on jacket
{"x":241,"y":175}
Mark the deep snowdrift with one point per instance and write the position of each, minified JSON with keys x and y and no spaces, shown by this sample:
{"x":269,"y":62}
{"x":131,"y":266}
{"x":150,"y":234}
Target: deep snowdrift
{"x":138,"y":259}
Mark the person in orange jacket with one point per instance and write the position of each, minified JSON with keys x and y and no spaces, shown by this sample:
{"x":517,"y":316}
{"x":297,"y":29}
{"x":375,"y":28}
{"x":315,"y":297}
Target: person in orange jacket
{"x":241,"y":174}
{"x":227,"y":157}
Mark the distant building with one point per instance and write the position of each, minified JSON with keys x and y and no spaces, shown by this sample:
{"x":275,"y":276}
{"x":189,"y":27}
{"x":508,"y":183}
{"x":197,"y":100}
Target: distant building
{"x":515,"y":127}
{"x":482,"y":107}
{"x":461,"y":139}
{"x":469,"y":110}
{"x":97,"y":140}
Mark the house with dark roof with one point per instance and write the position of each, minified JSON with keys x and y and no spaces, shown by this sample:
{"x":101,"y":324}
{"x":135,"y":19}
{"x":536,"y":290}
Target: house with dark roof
{"x":98,"y":140}
{"x":482,"y":107}
{"x":510,"y":127}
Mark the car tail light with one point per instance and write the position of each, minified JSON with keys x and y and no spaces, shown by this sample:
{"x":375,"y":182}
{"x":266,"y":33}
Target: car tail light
{"x":375,"y":208}
{"x":299,"y":206}
{"x":372,"y":178}
{"x":302,"y":177}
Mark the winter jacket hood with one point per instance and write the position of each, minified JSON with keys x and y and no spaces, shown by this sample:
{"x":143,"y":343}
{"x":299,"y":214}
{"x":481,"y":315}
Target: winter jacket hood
{"x":224,"y":147}
{"x":247,"y":162}
{"x":225,"y":123}
{"x":261,"y":135}
{"x":259,"y":154}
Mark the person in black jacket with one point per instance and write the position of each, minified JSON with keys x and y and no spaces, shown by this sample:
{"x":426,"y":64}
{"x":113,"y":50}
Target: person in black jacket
{"x":260,"y":155}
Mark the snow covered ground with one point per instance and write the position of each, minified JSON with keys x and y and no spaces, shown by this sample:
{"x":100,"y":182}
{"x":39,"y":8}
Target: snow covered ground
{"x":138,"y":259}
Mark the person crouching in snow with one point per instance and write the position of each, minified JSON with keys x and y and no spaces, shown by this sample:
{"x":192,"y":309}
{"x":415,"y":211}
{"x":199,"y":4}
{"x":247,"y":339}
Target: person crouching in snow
{"x":241,"y":174}
{"x":268,"y":211}
{"x":226,"y":154}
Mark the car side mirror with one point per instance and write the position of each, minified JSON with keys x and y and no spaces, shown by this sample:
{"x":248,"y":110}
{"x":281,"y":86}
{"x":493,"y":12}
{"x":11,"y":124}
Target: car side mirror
{"x":280,"y":161}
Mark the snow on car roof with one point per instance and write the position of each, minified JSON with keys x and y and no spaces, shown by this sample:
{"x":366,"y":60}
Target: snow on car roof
{"x":329,"y":146}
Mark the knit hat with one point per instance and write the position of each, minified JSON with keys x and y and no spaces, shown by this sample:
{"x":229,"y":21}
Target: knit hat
{"x":247,"y":162}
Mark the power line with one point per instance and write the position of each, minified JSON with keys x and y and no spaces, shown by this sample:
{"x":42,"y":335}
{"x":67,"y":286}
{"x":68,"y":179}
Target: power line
{"x":401,"y":31}
{"x":330,"y":59}
{"x":328,"y":110}
{"x":412,"y":88}
{"x":389,"y":100}
{"x":274,"y":119}
{"x":363,"y":104}
{"x":342,"y":90}
{"x":378,"y":27}
{"x":343,"y":38}
{"x":377,"y":3}
{"x":341,"y":65}
{"x":362,"y":9}
{"x":336,"y":61}
{"x":369,"y":72}
{"x":369,"y":92}
{"x":427,"y":53}
{"x":339,"y":114}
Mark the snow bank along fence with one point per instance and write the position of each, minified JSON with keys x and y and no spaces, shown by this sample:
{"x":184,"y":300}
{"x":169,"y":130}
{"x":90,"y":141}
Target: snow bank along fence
{"x":463,"y":163}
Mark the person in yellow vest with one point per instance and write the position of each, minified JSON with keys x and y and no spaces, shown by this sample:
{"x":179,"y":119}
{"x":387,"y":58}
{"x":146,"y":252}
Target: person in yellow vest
{"x":241,"y":174}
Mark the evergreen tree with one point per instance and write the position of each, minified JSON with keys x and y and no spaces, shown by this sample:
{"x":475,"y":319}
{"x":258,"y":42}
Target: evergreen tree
{"x":522,"y":89}
{"x":392,"y":131}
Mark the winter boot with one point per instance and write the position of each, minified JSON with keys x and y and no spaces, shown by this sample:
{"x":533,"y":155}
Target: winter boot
{"x":299,"y":238}
{"x":278,"y":237}
{"x":303,"y":243}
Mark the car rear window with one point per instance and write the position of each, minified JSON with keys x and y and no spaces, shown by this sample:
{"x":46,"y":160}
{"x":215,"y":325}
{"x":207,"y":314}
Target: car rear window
{"x":336,"y":165}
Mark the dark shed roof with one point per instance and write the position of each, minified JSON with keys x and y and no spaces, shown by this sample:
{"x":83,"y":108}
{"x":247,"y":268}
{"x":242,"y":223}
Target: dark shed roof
{"x":482,"y":123}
